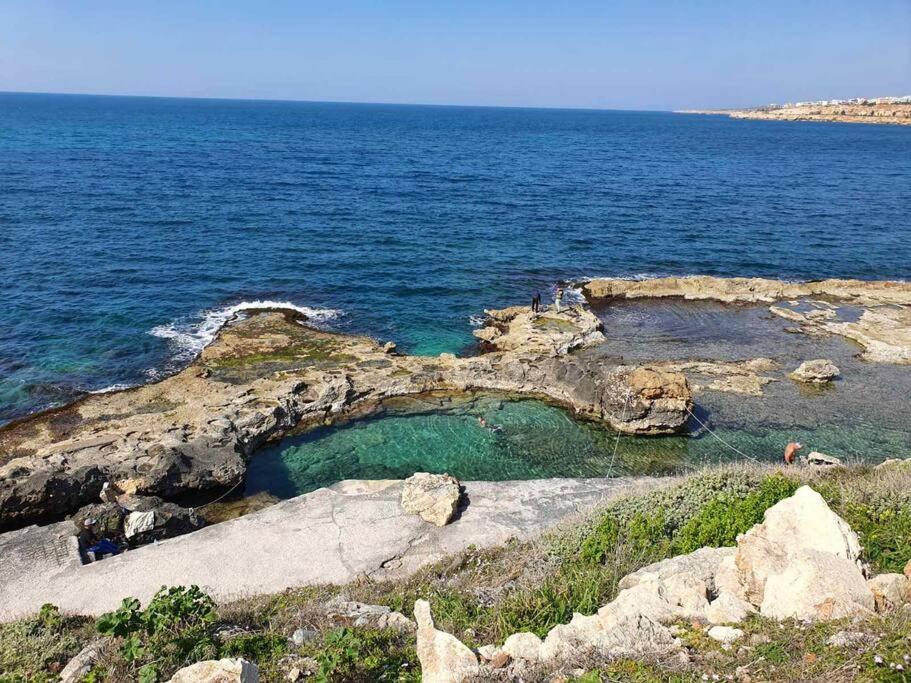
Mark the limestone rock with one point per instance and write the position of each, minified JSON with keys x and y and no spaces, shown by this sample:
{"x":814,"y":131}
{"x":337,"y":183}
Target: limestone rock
{"x":444,"y":658}
{"x":802,"y":562}
{"x":889,"y":590}
{"x":815,"y":372}
{"x":822,"y":460}
{"x":80,"y":665}
{"x":848,"y":639}
{"x":725,"y":634}
{"x":218,"y":671}
{"x":523,"y":646}
{"x":816,"y":585}
{"x":435,"y":497}
{"x":728,"y":608}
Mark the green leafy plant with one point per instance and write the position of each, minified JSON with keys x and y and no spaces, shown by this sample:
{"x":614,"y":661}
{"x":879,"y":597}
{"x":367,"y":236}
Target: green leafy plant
{"x":173,"y":629}
{"x":357,"y":655}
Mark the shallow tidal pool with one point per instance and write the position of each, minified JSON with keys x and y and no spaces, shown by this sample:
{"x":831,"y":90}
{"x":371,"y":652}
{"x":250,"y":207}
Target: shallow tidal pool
{"x":524,"y":439}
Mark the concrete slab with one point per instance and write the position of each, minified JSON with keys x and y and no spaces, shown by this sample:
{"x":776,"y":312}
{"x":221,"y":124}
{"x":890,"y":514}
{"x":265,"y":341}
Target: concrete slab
{"x":330,"y":536}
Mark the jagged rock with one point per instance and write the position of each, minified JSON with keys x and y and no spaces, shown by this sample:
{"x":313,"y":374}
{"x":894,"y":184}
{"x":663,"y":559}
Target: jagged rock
{"x":435,"y":497}
{"x":303,"y":635}
{"x":499,"y":660}
{"x":802,"y":562}
{"x":889,"y":590}
{"x":348,"y":612}
{"x":80,"y":665}
{"x":822,"y":460}
{"x":848,"y":639}
{"x":218,"y":671}
{"x":815,"y":372}
{"x":444,"y":658}
{"x":524,"y":646}
{"x":725,"y":634}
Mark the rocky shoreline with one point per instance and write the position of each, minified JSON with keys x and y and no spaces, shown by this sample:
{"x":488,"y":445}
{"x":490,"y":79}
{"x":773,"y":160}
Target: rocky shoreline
{"x":269,"y":375}
{"x":878,"y":113}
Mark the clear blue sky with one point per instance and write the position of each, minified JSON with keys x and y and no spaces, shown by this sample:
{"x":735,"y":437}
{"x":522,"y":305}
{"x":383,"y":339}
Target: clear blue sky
{"x":640,"y":54}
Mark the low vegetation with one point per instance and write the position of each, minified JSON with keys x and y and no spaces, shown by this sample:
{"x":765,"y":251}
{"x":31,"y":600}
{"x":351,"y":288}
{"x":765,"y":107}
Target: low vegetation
{"x":483,"y":596}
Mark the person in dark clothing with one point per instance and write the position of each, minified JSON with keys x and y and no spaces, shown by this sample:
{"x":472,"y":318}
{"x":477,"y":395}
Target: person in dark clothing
{"x":92,"y":545}
{"x":536,"y":302}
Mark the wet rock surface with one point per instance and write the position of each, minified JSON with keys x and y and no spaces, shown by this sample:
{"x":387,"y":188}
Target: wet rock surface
{"x":269,"y":374}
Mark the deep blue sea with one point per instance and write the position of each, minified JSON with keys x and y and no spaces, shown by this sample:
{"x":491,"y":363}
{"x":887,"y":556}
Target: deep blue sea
{"x":130,"y":227}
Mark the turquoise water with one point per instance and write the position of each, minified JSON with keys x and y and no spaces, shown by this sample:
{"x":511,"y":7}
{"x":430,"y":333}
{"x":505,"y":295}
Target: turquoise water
{"x":130,"y":227}
{"x":865,"y":416}
{"x":534,"y":440}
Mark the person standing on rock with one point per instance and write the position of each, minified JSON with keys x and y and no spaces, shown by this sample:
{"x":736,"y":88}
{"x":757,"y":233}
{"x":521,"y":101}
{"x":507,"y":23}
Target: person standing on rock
{"x":790,"y":452}
{"x":536,"y":303}
{"x":558,"y":300}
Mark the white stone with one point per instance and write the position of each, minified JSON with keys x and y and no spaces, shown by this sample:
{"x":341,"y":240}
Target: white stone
{"x":80,"y":665}
{"x":725,"y":634}
{"x":444,"y":658}
{"x":435,"y":497}
{"x":797,"y":524}
{"x":816,"y":371}
{"x":816,"y":585}
{"x":823,"y":460}
{"x":524,"y":646}
{"x":728,"y":608}
{"x":218,"y":671}
{"x":889,"y":590}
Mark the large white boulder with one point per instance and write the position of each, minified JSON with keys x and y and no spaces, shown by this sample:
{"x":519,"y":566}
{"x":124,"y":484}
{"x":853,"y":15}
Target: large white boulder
{"x":218,"y":671}
{"x":444,"y":658}
{"x":802,"y":561}
{"x":435,"y":497}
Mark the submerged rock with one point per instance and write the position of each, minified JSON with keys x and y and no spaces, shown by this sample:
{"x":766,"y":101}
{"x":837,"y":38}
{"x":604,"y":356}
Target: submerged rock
{"x":815,"y":372}
{"x":435,"y":497}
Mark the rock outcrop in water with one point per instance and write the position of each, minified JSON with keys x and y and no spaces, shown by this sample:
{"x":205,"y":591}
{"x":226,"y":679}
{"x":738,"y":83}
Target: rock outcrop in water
{"x":269,"y":375}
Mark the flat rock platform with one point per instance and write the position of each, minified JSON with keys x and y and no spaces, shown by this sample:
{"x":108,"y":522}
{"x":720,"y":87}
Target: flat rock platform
{"x":330,"y":536}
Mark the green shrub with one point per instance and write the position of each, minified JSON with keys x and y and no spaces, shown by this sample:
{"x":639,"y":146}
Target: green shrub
{"x":366,"y":655}
{"x":174,"y":629}
{"x":720,"y":521}
{"x":256,"y":647}
{"x":885,"y":532}
{"x":32,"y":649}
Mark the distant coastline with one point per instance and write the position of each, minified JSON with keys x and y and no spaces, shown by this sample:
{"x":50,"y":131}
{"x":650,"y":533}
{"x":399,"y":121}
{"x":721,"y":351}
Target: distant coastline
{"x":883,"y":110}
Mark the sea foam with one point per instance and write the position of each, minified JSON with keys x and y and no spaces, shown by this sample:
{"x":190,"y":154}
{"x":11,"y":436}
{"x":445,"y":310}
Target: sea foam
{"x":190,"y":336}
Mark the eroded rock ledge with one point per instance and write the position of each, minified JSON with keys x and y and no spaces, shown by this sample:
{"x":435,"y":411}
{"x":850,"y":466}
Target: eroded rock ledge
{"x":269,"y":374}
{"x":750,"y":289}
{"x":883,"y":327}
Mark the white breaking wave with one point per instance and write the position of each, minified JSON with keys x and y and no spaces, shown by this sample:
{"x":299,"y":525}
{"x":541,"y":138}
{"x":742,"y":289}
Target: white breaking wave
{"x":114,"y":387}
{"x":189,"y":337}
